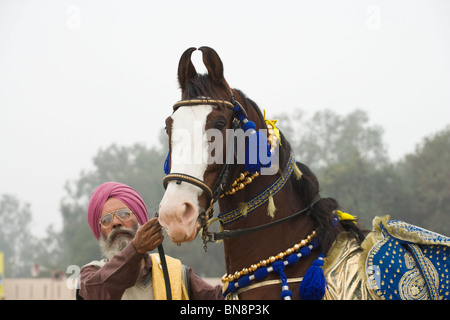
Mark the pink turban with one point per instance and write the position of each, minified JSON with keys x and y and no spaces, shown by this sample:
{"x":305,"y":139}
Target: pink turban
{"x":119,"y":191}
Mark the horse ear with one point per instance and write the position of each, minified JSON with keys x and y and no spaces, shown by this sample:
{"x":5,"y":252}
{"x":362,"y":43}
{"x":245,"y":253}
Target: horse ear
{"x":186,"y":69}
{"x":213,"y":64}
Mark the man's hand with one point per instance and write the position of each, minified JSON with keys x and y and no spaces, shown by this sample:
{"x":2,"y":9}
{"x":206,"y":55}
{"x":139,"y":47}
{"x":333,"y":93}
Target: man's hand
{"x":148,"y":237}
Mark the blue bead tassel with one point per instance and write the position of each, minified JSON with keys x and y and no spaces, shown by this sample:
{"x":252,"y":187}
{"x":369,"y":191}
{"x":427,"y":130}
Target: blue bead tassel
{"x":257,"y":152}
{"x":166,"y":164}
{"x":278,"y":266}
{"x":314,"y":285}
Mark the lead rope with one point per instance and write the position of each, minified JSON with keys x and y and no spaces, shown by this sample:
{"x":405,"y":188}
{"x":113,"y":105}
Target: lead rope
{"x":165,"y":270}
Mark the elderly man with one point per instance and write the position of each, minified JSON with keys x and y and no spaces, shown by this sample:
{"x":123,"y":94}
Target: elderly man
{"x":117,"y":216}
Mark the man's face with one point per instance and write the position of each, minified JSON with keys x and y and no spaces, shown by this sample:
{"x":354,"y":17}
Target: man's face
{"x":120,"y":233}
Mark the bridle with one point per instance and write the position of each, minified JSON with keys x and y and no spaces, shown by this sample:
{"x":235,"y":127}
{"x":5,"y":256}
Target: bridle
{"x":214,"y":193}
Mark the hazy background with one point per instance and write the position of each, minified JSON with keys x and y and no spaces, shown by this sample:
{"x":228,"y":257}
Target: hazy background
{"x":77,"y":76}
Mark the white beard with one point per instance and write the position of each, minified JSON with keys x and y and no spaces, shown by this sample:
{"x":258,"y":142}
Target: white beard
{"x":114,"y":244}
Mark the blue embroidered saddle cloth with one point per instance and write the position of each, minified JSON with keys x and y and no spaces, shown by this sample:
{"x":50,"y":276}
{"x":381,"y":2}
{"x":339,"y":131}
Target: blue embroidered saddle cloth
{"x":407,"y":262}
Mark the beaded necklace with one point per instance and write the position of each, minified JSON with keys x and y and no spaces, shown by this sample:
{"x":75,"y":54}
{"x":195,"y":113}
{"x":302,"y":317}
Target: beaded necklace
{"x":277,"y":263}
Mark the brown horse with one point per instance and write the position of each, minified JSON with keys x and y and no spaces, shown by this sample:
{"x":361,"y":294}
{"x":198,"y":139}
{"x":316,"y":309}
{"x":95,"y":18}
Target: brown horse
{"x":285,"y":203}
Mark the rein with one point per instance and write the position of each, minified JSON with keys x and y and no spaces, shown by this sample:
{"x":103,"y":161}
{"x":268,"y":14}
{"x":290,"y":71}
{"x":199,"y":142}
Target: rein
{"x":227,"y":234}
{"x":165,"y":269}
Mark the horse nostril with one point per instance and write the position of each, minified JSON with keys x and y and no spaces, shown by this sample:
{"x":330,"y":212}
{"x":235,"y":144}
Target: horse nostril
{"x":187,"y":212}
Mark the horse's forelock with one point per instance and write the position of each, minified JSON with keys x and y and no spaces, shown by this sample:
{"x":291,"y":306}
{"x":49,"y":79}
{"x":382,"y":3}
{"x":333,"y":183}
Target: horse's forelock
{"x":203,"y":86}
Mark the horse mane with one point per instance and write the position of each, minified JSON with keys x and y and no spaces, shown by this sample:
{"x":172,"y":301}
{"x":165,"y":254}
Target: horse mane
{"x":307,"y":187}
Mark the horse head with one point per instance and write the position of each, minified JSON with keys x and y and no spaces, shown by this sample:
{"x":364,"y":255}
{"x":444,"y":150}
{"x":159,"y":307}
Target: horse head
{"x":198,"y":153}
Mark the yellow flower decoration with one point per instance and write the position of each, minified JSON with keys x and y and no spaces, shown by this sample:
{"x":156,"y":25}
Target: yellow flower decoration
{"x":271,"y":125}
{"x":345,"y":216}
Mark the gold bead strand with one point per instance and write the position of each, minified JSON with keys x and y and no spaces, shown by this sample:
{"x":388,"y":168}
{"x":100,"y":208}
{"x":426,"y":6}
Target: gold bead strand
{"x":270,"y":260}
{"x":240,"y":182}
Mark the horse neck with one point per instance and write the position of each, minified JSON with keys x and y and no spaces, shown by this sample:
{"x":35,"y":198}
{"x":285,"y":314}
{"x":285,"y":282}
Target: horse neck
{"x":243,"y":251}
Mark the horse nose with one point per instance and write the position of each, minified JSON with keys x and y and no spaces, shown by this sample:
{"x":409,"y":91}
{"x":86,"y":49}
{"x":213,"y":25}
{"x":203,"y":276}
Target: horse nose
{"x":187,"y":212}
{"x":179,"y":219}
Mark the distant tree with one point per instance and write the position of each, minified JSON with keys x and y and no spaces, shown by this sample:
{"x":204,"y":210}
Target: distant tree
{"x":16,"y":240}
{"x":348,"y":156}
{"x":328,"y":138}
{"x":363,"y":189}
{"x":426,"y":176}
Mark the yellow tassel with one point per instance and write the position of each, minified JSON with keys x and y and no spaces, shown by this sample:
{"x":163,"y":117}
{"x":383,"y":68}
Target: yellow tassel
{"x":244,"y":208}
{"x":271,"y":207}
{"x":297,"y":173}
{"x":345,"y":216}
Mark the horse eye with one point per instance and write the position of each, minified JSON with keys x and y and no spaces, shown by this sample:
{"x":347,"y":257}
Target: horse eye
{"x":220,"y":124}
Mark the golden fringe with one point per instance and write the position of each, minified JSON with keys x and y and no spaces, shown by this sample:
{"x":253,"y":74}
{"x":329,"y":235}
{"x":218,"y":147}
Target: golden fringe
{"x":244,"y":208}
{"x":371,"y":239}
{"x":401,"y":233}
{"x":271,"y":207}
{"x":297,"y":173}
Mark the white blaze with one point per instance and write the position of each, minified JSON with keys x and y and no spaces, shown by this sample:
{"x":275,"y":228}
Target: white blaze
{"x":189,"y":154}
{"x":189,"y":140}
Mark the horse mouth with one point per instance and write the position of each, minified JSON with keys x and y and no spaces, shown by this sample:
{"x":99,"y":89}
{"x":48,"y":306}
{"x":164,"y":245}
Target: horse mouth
{"x":185,"y":237}
{"x":179,"y":232}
